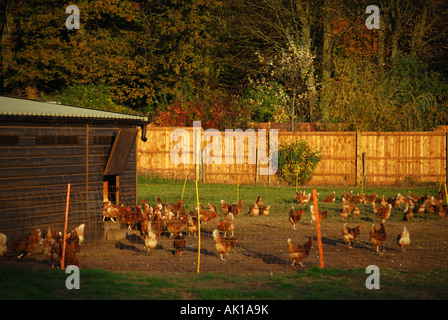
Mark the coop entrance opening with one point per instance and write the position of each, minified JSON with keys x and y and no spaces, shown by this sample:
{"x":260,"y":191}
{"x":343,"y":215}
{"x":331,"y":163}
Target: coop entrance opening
{"x":116,"y":163}
{"x":111,"y":189}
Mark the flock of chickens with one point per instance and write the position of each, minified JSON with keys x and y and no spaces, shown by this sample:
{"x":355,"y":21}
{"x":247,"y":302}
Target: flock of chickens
{"x":152,"y":221}
{"x":382,"y":208}
{"x":50,"y":243}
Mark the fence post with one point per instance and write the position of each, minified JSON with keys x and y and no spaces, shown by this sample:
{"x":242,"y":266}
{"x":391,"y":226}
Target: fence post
{"x":199,"y":227}
{"x":268,"y":140}
{"x":197,"y":148}
{"x":356,"y":157}
{"x":319,"y":237}
{"x":64,"y":238}
{"x":86,"y":215}
{"x":202,"y":168}
{"x":256,"y":164}
{"x":364,"y":167}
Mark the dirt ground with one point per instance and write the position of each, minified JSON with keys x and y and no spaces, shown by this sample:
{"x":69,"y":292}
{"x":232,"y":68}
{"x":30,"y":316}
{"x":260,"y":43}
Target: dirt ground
{"x":262,"y":247}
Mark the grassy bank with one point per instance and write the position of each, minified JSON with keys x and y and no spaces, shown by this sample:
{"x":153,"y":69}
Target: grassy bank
{"x":313,"y":283}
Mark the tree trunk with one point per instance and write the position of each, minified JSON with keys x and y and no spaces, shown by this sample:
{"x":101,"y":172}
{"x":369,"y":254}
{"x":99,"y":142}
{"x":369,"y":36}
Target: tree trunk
{"x":326,"y":52}
{"x":394,"y":46}
{"x":419,"y":32}
{"x":304,"y":12}
{"x":293,"y":109}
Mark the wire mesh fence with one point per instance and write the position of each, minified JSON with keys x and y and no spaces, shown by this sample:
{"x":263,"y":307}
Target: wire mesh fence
{"x":262,"y":241}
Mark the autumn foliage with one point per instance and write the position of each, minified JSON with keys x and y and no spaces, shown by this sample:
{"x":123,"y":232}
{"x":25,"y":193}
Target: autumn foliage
{"x":219,"y":112}
{"x":180,"y":61}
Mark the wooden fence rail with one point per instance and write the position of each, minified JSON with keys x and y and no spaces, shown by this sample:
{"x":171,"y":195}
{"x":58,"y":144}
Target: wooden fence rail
{"x":390,"y":157}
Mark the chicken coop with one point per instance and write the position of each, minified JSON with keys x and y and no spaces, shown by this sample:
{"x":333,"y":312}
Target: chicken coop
{"x":44,"y":147}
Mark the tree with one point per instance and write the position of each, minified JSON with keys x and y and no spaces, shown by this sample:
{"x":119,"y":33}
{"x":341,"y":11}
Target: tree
{"x":326,"y":43}
{"x":411,"y":26}
{"x":48,"y":58}
{"x":430,"y":33}
{"x":6,"y":21}
{"x":406,"y":98}
{"x":185,"y":48}
{"x":152,"y":55}
{"x":304,"y":12}
{"x":265,"y":26}
{"x":143,"y":52}
{"x":292,"y":67}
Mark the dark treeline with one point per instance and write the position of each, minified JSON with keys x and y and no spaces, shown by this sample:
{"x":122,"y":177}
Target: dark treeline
{"x":231,"y":62}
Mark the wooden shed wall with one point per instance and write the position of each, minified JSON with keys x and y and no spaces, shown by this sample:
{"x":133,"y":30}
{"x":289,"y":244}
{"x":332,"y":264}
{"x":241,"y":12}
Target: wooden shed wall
{"x":37,"y":161}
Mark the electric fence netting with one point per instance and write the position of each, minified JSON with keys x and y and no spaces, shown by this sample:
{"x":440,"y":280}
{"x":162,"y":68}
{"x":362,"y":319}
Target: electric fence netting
{"x":261,"y":240}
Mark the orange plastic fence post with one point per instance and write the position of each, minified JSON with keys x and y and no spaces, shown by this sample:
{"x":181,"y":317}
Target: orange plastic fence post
{"x":65,"y":226}
{"x":319,"y":237}
{"x":199,"y":227}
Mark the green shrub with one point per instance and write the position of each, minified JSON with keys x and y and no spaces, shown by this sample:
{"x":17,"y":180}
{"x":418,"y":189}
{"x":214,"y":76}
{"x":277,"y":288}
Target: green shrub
{"x":268,"y":101}
{"x":89,"y":96}
{"x":296,"y":162}
{"x":409,"y":97}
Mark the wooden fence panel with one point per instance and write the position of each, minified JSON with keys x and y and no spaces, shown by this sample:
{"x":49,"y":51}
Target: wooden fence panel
{"x":237,"y":164}
{"x":154,"y":154}
{"x":338,"y":155}
{"x":391,"y":157}
{"x":410,"y":156}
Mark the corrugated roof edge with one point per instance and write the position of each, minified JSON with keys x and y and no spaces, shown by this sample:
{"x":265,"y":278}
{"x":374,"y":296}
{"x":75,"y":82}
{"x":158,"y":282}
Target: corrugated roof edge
{"x":21,"y":107}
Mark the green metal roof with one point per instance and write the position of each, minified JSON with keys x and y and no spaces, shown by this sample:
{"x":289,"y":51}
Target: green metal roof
{"x":20,"y":108}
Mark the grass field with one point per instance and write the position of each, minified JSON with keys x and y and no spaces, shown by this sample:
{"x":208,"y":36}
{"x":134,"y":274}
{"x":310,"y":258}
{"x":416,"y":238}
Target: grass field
{"x":314,"y":283}
{"x":280,"y":198}
{"x":309,"y":283}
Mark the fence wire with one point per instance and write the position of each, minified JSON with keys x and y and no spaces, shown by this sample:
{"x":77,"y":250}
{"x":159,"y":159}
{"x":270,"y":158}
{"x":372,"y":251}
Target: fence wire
{"x":262,"y":240}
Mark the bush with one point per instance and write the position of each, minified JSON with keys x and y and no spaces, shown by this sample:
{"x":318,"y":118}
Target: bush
{"x":218,"y":111}
{"x":296,"y":162}
{"x":89,"y":96}
{"x":268,"y":102}
{"x":407,"y":98}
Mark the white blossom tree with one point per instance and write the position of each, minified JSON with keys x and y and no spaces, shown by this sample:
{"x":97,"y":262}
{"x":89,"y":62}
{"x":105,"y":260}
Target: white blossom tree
{"x":292,"y":67}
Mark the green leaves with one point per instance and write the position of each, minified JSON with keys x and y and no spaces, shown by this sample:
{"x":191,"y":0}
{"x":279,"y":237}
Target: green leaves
{"x":152,"y":54}
{"x":296,"y":162}
{"x":407,"y":98}
{"x":291,"y":67}
{"x":90,"y":96}
{"x":134,"y":48}
{"x":268,"y":101}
